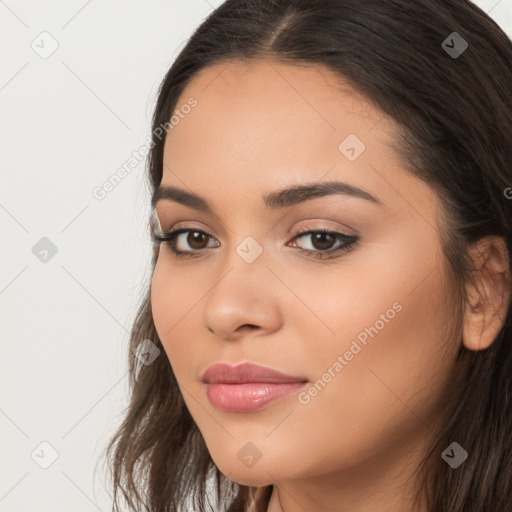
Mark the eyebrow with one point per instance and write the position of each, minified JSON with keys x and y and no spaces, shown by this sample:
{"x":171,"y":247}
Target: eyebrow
{"x":279,"y":199}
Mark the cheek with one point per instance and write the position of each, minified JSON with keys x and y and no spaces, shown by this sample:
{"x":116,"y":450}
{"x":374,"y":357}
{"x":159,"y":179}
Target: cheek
{"x":173,"y":295}
{"x":384,"y":393}
{"x":392,"y":288}
{"x":177,"y":297}
{"x":388,"y":320}
{"x":161,"y":300}
{"x":169,"y":304}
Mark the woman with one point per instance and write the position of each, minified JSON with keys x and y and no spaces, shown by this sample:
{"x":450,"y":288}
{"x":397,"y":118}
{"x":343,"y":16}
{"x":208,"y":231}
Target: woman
{"x":328,"y":323}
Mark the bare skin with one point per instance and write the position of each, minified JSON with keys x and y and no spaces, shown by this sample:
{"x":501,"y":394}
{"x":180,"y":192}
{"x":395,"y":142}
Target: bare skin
{"x":354,"y":446}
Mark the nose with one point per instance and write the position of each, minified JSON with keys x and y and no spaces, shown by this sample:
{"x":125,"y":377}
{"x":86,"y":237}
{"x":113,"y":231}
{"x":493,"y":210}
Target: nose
{"x":245,"y":299}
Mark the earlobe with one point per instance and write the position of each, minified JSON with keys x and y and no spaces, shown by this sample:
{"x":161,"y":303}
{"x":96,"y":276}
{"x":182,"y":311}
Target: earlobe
{"x":488,"y":293}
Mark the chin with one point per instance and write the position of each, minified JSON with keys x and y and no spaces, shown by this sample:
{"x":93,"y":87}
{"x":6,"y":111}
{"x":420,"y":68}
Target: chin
{"x":265,"y":471}
{"x":249,"y":477}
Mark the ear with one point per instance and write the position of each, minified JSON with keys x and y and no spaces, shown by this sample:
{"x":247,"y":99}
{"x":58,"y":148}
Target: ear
{"x":488,"y":293}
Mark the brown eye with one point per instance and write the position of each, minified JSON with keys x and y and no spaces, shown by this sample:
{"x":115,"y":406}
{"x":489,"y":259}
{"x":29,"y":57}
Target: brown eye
{"x":324,"y":244}
{"x":185,"y":242}
{"x":196,"y":239}
{"x":195,"y":242}
{"x":322,"y":241}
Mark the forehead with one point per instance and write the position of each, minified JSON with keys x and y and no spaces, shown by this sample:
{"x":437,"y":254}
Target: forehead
{"x":306,"y":92}
{"x":261,"y":110}
{"x":269,"y":76}
{"x":262,"y":126}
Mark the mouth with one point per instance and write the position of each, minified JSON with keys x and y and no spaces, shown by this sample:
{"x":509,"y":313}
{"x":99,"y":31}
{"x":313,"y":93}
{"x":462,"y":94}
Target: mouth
{"x":247,"y":387}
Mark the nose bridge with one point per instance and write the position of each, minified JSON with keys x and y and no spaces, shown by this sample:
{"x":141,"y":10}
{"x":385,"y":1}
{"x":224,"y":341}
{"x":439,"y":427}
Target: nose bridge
{"x":243,"y":293}
{"x":247,"y":262}
{"x":247,"y":242}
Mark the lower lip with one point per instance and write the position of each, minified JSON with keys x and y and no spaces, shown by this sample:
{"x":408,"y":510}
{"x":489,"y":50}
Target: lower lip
{"x":249,"y":396}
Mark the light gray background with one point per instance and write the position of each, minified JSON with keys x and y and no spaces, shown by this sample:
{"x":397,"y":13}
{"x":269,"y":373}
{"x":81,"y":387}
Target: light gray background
{"x":68,"y":121}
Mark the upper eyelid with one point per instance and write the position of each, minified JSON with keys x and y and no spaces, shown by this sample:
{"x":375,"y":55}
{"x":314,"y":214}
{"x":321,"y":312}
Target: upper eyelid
{"x":300,"y":233}
{"x":157,"y":225}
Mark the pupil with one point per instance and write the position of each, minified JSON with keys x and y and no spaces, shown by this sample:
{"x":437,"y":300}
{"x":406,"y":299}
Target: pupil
{"x":194,"y":237}
{"x":321,"y":237}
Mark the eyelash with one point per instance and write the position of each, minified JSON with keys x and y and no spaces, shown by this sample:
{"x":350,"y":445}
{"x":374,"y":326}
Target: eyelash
{"x":350,"y":242}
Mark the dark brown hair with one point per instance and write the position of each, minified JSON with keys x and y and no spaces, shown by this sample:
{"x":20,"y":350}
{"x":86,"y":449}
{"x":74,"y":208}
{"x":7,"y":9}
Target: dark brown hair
{"x":454,"y":118}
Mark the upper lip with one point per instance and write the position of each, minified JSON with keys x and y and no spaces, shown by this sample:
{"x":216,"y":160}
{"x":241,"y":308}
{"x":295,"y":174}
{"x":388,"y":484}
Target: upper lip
{"x":244,"y":373}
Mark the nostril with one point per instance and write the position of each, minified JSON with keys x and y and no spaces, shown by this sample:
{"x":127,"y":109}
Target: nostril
{"x":250,"y":326}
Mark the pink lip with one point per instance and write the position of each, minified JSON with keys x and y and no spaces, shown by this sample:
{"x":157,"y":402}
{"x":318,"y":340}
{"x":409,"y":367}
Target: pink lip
{"x":247,"y":387}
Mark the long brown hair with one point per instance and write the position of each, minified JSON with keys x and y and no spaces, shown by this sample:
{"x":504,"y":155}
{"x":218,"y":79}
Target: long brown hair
{"x":454,"y":114}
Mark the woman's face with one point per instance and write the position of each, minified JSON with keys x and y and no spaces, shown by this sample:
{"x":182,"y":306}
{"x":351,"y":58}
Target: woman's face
{"x":363,"y":326}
